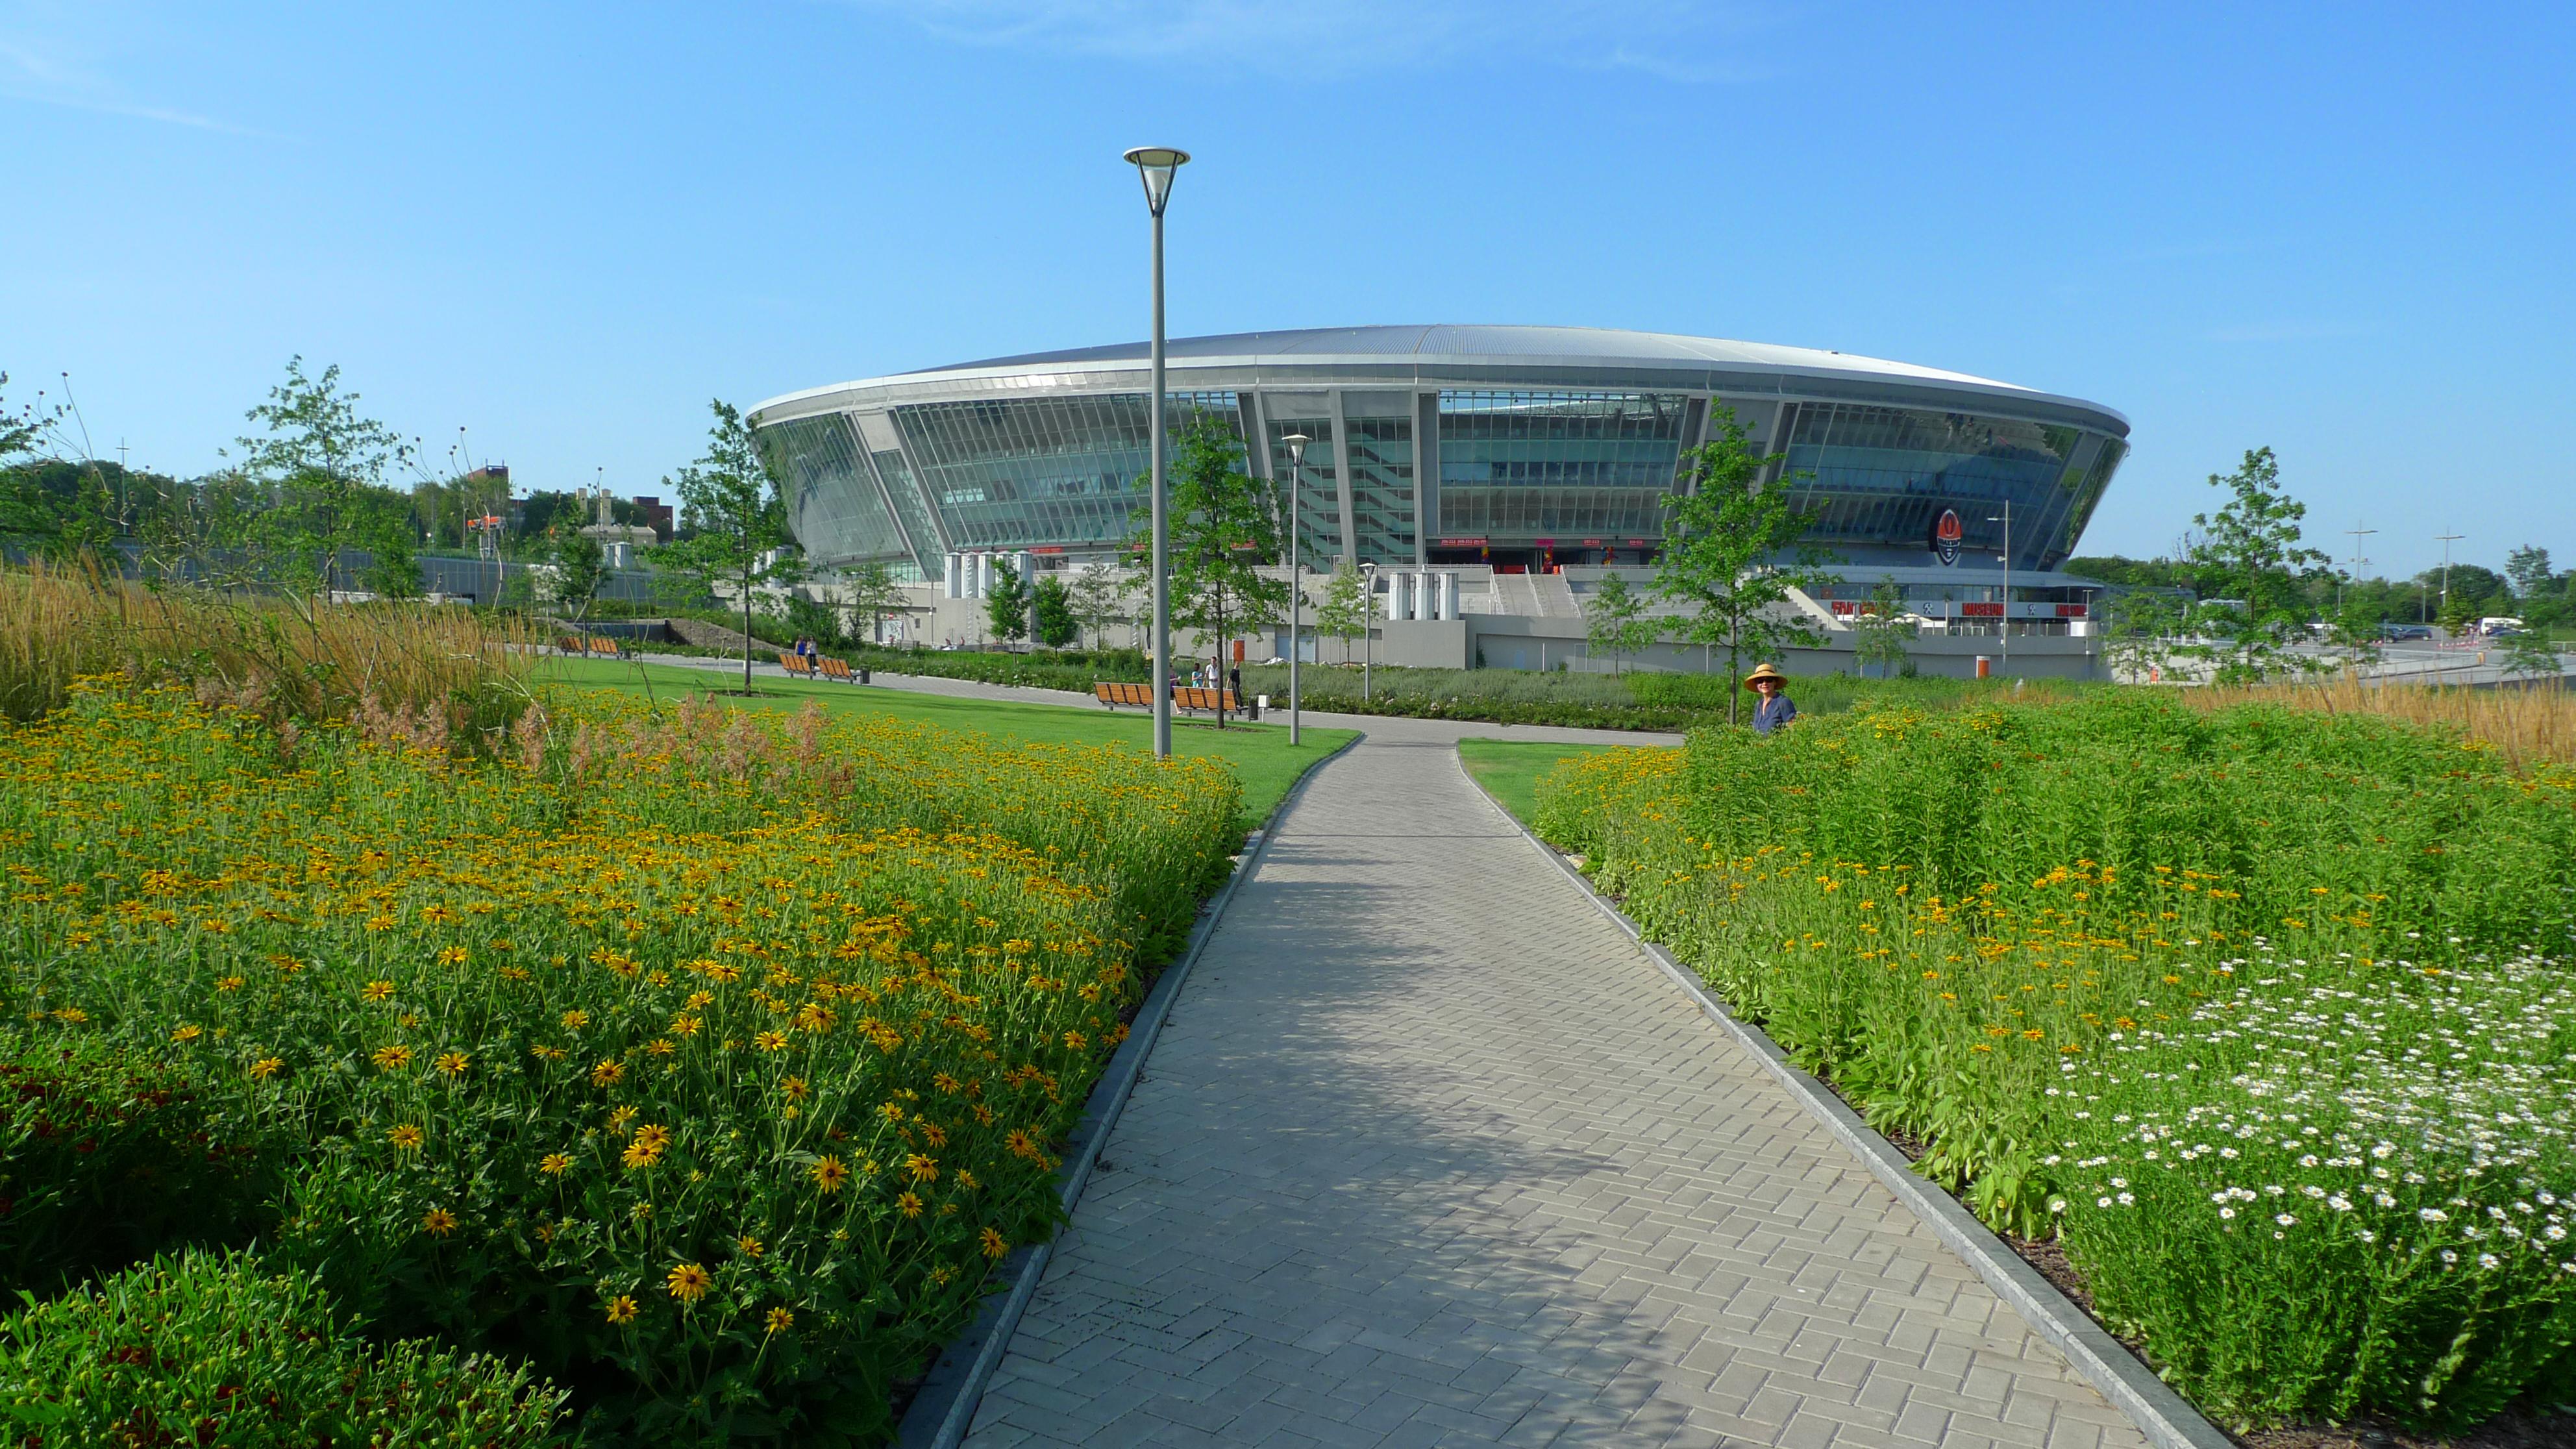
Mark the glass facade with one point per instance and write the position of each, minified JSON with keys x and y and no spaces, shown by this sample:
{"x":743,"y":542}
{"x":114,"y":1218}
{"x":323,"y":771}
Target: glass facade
{"x":1517,"y":467}
{"x":833,"y":505}
{"x":1883,"y":476}
{"x":1381,"y":456}
{"x":1505,"y":471}
{"x":1319,"y":494}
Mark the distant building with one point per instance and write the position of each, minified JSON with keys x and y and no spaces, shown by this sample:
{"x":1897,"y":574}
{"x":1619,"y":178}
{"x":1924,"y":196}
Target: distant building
{"x":654,"y":514}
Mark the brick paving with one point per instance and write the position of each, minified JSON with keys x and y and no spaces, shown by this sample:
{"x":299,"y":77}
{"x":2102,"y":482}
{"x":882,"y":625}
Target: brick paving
{"x":1430,"y":1154}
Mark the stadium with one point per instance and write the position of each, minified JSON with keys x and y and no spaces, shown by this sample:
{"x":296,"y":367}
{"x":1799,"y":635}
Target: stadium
{"x":1488,"y":451}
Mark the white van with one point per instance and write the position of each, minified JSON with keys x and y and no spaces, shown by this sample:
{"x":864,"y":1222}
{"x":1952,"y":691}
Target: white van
{"x":2498,"y":627}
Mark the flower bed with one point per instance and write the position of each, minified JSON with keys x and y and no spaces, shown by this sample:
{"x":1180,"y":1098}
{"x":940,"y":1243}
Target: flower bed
{"x":706,"y":1061}
{"x":2270,"y":1017}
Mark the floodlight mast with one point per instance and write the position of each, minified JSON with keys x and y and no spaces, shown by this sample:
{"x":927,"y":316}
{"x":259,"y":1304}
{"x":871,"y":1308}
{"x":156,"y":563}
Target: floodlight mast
{"x":1156,"y":165}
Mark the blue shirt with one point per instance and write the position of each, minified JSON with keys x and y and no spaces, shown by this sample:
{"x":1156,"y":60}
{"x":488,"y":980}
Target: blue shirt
{"x":1772,"y":713}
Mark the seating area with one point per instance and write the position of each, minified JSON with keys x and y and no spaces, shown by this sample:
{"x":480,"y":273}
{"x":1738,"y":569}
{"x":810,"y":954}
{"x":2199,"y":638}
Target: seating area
{"x":1186,"y":698}
{"x":595,"y":646}
{"x":821,"y":666}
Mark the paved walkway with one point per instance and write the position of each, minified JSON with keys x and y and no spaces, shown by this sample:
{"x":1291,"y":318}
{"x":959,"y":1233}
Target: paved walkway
{"x":1429,"y":1153}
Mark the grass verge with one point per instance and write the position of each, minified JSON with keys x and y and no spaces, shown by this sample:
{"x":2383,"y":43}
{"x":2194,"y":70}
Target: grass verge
{"x":1512,"y":769}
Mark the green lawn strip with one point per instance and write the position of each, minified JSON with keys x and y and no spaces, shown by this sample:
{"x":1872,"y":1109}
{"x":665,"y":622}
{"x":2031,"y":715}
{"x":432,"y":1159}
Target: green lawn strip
{"x":1260,"y":753}
{"x":1511,"y":769}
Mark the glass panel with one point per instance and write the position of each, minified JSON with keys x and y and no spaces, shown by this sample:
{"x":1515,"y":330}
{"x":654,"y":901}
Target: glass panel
{"x":1319,"y":496}
{"x":1381,"y":458}
{"x":833,"y":506}
{"x":1035,"y":472}
{"x":1531,"y":465}
{"x":1920,"y":462}
{"x":908,"y":506}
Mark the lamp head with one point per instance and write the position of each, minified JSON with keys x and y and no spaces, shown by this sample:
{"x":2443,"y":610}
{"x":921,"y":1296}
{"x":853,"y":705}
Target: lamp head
{"x":1296,"y":447}
{"x":1156,"y":165}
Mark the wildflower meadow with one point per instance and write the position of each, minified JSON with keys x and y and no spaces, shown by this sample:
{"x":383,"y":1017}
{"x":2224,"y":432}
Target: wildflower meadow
{"x":2269,"y":1016}
{"x":688,"y":1069}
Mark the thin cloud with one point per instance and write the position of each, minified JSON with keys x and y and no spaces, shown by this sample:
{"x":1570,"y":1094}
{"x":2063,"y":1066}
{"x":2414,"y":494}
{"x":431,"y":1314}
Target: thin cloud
{"x":1666,"y":38}
{"x":39,"y":73}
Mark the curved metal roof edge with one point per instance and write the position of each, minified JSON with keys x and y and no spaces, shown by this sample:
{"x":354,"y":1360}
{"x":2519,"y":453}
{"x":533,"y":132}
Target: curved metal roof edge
{"x":1397,"y":366}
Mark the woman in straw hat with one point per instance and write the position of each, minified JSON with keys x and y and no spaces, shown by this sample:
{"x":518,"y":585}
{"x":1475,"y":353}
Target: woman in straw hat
{"x":1775,"y":711}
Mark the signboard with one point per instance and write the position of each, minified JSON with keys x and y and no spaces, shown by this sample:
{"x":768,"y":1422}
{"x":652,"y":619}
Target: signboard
{"x":1981,"y":611}
{"x":1462,"y":543}
{"x":1947,"y":535}
{"x":1543,"y":542}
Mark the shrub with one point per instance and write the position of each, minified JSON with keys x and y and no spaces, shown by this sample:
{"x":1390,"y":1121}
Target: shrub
{"x":1072,"y":669}
{"x":2268,"y":1014}
{"x":208,"y":1349}
{"x":708,"y":1059}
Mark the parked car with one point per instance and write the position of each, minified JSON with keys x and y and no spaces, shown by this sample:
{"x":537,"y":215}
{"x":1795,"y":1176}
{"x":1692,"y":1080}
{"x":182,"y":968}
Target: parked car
{"x":2497,"y":627}
{"x":2406,"y":631}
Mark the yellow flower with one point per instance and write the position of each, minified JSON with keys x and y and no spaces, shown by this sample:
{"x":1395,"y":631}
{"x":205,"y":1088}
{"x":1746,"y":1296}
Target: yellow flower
{"x":831,"y":1174}
{"x":994,"y":1246}
{"x":377,"y":991}
{"x":439,"y":1222}
{"x":229,"y":983}
{"x":576,"y":1019}
{"x":922,"y":1168}
{"x":607,"y":1074}
{"x":771,"y":1041}
{"x":393,"y":1058}
{"x":407,"y":1137}
{"x":451,"y":956}
{"x":749,"y":1247}
{"x":795,"y":1088}
{"x":621,"y":1310}
{"x":555,"y":1164}
{"x":265,"y":1068}
{"x":892,"y":1112}
{"x":780,"y":1320}
{"x":685,"y":1025}
{"x":689,"y":1282}
{"x":909,"y":1204}
{"x":186,"y":1034}
{"x":452,"y":1064}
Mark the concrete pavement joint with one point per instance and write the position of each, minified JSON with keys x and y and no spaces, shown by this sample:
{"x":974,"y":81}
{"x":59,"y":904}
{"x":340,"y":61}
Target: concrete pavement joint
{"x":2164,"y":1416}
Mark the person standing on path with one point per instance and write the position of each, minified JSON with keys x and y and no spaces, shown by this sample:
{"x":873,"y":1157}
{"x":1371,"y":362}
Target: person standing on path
{"x":1775,"y":711}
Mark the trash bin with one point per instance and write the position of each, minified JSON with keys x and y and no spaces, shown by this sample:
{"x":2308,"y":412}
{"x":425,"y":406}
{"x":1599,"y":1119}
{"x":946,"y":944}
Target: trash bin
{"x":863,"y":674}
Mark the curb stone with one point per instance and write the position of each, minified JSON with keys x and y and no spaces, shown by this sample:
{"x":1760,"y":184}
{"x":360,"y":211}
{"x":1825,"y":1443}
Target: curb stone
{"x":2164,"y":1416}
{"x":944,"y":1409}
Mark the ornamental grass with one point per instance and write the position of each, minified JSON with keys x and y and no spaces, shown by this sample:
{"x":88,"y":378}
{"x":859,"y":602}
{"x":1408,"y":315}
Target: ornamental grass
{"x":704,"y":1061}
{"x":2268,"y":1014}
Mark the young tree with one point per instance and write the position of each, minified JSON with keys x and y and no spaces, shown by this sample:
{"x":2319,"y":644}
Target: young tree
{"x":1051,"y":610}
{"x":323,"y":464}
{"x":1615,"y":619}
{"x":737,"y":510}
{"x":1734,"y":548}
{"x":1006,"y":603}
{"x":1223,"y":529}
{"x":580,"y":567}
{"x":2530,"y":654}
{"x":2252,"y":551}
{"x":393,"y":568}
{"x":1097,"y":598}
{"x":2138,"y":629}
{"x":872,"y":593}
{"x":1883,"y":629}
{"x":2529,"y":569}
{"x":1344,"y":613}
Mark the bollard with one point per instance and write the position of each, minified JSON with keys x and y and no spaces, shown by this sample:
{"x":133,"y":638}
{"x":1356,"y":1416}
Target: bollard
{"x":1985,"y":666}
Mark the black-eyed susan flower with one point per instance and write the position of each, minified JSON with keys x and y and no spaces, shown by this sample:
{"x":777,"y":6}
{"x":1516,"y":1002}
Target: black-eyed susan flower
{"x":688,"y":1282}
{"x":831,"y":1174}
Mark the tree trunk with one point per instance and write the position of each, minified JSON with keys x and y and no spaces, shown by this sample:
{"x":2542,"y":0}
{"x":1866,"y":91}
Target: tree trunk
{"x":746,"y":631}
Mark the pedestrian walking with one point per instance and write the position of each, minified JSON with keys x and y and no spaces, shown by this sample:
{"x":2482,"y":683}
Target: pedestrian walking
{"x":1775,"y":711}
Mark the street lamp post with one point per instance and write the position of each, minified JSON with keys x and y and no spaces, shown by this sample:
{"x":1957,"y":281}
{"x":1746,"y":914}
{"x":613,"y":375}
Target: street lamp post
{"x":2358,"y":533}
{"x":1296,"y":577}
{"x":2006,"y":520}
{"x":1368,"y":626}
{"x":2446,"y":540}
{"x":1156,"y":165}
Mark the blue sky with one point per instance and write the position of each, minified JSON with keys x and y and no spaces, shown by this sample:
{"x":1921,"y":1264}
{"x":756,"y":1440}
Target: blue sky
{"x":2343,"y":231}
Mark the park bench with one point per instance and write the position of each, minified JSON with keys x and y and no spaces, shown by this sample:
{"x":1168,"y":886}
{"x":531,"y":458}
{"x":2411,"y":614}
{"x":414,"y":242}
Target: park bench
{"x":602,"y":647}
{"x":1205,"y":701}
{"x":796,"y":664}
{"x":838,"y":669}
{"x":1114,"y":695}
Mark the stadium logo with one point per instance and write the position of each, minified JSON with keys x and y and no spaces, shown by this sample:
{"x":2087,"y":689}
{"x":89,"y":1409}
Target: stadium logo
{"x":1947,"y":536}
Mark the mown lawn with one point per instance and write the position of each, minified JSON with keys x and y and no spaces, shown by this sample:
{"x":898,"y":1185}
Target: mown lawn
{"x":1261,"y":756}
{"x":1511,"y":769}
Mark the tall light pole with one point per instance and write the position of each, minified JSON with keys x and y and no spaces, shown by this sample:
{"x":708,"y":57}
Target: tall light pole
{"x":1157,"y":165}
{"x":1296,"y":577}
{"x":2357,"y":533}
{"x":2446,"y":540}
{"x":2006,"y":558}
{"x":1368,"y":626}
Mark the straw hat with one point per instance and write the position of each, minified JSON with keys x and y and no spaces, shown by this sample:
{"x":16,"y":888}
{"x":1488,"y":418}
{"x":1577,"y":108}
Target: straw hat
{"x":1765,"y":671}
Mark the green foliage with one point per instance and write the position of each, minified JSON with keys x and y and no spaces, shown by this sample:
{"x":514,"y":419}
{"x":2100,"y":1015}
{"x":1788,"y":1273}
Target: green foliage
{"x":2529,"y":569}
{"x":1052,"y":609}
{"x":1006,"y":605}
{"x":1615,"y":622}
{"x":1733,"y":549}
{"x":2268,"y":1014}
{"x":1344,"y":612}
{"x":320,"y":464}
{"x":1883,"y":630}
{"x":1098,"y":599}
{"x":1069,"y":669}
{"x":2251,"y":551}
{"x":736,"y":512}
{"x":871,"y":593}
{"x":207,"y":1349}
{"x":580,"y":566}
{"x":109,"y":1154}
{"x":1643,"y":701}
{"x":1223,"y":530}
